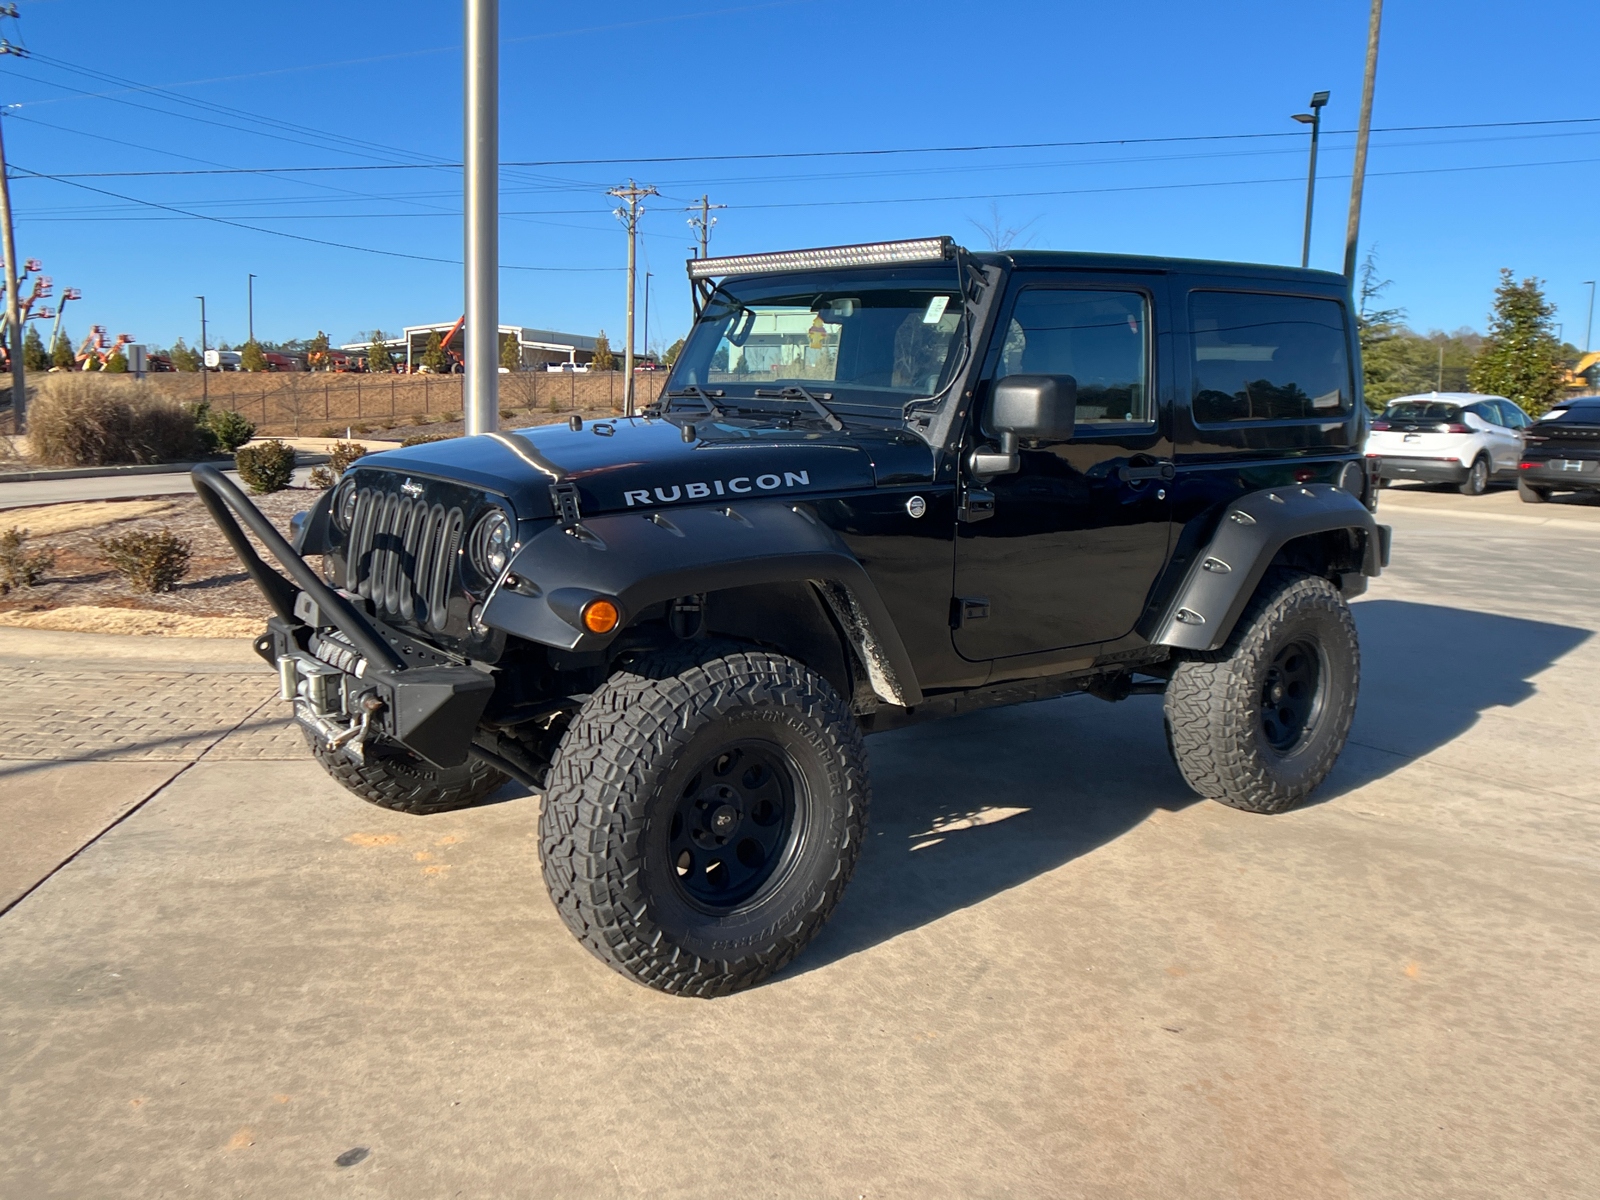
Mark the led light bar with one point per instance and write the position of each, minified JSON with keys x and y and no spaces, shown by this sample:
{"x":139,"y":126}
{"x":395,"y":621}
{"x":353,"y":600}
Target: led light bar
{"x":870,"y":254}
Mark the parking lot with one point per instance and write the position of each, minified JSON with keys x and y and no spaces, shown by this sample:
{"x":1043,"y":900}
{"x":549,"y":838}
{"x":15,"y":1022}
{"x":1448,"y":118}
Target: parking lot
{"x":1055,"y":974}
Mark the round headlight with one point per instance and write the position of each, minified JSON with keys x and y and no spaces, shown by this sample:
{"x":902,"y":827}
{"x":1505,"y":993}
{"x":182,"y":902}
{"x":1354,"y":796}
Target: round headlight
{"x":344,"y":505}
{"x":491,"y":545}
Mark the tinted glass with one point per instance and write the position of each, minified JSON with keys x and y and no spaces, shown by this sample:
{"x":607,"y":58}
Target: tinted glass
{"x":1423,"y":410}
{"x":1098,"y":338}
{"x":1489,"y":411}
{"x":1572,"y":414}
{"x":871,"y":339}
{"x":1268,"y":358}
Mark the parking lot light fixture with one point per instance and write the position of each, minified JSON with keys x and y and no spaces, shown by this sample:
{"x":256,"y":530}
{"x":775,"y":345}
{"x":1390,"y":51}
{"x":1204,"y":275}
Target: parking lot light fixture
{"x":1313,"y":119}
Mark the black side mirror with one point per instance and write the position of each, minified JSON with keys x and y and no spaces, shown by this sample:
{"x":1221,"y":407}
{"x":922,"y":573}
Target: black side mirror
{"x":1034,"y":406}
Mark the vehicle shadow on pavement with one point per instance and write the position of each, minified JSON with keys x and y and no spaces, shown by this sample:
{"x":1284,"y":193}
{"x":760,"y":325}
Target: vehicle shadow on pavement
{"x":970,"y":807}
{"x":1428,"y":671}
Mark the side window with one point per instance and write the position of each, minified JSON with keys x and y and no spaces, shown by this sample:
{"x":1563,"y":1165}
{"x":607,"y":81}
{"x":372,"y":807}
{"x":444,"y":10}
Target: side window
{"x":1100,"y":338}
{"x":1515,"y":418}
{"x":1268,"y":358}
{"x":1488,"y":410}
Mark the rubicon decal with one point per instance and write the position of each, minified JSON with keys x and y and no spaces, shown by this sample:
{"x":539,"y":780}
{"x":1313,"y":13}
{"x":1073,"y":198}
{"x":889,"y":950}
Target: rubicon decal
{"x":737,"y":486}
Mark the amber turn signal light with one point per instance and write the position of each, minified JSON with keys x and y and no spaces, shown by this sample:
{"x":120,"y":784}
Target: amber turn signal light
{"x":600,"y":616}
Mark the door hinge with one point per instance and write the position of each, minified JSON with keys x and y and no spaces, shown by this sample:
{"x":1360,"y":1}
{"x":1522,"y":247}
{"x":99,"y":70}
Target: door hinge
{"x":977,"y":504}
{"x":967,"y":608}
{"x":564,"y":500}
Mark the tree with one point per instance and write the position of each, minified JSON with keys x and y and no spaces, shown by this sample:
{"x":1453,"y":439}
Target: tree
{"x":378,"y":359}
{"x":252,"y":357}
{"x":1520,"y":359}
{"x":604,"y":360}
{"x":511,"y":354}
{"x":317,"y":356}
{"x":433,"y":353}
{"x":672,"y":353}
{"x":1000,"y":236}
{"x":116,"y":363}
{"x":34,"y":357}
{"x":183,"y":358}
{"x":61,"y":353}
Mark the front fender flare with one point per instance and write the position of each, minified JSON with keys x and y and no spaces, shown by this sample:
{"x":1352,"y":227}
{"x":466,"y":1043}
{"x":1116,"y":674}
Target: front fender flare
{"x":1223,"y":576}
{"x":640,"y":559}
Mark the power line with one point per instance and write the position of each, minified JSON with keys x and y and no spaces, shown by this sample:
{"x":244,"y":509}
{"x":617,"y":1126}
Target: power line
{"x":807,"y":154}
{"x":455,"y":262}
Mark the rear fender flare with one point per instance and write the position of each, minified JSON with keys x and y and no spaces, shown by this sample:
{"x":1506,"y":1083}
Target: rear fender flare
{"x":640,"y":559}
{"x":1222,"y":577}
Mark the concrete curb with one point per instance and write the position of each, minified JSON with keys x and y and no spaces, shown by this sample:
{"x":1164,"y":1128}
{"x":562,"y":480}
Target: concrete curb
{"x":303,"y":458}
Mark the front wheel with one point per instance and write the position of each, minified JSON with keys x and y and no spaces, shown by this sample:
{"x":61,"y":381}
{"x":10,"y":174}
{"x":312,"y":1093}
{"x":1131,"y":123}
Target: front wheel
{"x":704,"y":813}
{"x":1477,"y":481}
{"x":1259,"y":723}
{"x":392,"y":777}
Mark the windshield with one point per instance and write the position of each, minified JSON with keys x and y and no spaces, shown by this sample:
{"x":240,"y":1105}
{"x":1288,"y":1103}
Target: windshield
{"x":872,"y":340}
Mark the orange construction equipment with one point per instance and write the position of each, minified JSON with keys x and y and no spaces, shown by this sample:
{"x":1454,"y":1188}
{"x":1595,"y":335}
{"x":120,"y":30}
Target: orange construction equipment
{"x":94,"y":347}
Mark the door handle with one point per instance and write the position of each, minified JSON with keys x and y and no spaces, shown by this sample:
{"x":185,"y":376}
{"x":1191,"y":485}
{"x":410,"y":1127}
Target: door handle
{"x":1159,"y":471}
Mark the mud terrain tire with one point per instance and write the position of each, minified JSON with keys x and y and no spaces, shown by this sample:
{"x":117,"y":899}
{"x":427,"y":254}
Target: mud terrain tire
{"x":395,"y":778}
{"x":1259,"y":723}
{"x":714,"y":765}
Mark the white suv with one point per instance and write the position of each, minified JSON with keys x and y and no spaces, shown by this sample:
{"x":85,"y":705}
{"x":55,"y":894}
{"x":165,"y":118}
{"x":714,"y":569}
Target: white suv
{"x":1449,"y":437}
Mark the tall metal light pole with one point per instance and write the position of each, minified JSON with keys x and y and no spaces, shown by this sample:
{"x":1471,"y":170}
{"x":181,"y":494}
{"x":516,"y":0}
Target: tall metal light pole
{"x":1352,"y":233}
{"x":482,"y":208}
{"x":205,"y":373}
{"x":8,"y":246}
{"x":629,"y":216}
{"x":251,"y":284}
{"x":1588,"y":325}
{"x":1313,"y":119}
{"x":647,"y":277}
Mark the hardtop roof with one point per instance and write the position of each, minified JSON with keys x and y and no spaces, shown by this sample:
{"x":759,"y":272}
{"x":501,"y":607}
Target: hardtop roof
{"x":1085,"y":260}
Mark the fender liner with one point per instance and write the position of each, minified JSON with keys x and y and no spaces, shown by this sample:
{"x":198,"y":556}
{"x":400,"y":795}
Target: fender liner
{"x":1252,"y":530}
{"x":640,"y":559}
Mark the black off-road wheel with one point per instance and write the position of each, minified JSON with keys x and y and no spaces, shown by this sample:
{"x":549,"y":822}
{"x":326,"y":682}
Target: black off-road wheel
{"x":704,"y":813}
{"x":1259,"y":723}
{"x":1529,"y":494}
{"x":393,"y":777}
{"x":1477,"y":481}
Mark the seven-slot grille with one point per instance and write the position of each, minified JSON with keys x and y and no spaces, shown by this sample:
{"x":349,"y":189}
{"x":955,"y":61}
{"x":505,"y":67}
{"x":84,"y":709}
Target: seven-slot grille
{"x":402,"y":554}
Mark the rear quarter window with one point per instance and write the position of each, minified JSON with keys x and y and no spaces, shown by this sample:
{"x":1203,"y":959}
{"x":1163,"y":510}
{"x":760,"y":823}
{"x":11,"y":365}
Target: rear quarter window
{"x":1262,"y":357}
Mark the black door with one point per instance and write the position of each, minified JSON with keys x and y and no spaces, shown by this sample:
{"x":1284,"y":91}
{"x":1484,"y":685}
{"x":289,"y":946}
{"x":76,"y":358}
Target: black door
{"x":1079,"y":533}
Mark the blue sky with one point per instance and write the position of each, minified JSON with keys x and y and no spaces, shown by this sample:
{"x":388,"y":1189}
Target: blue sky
{"x":379,"y":84}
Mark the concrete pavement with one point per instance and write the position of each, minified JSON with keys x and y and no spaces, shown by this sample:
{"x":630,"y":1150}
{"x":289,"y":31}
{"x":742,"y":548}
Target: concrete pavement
{"x":1055,"y":974}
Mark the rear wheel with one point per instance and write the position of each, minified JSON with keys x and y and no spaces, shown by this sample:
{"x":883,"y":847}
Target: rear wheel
{"x":392,"y":777}
{"x":1529,"y":494}
{"x":1259,"y":723}
{"x":704,"y":813}
{"x":1477,"y":480}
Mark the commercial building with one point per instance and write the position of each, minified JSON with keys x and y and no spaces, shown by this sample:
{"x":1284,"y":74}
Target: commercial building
{"x":537,"y":347}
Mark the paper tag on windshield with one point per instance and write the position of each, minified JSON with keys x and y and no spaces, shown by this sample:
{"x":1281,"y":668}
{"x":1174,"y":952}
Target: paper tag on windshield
{"x":936,"y":308}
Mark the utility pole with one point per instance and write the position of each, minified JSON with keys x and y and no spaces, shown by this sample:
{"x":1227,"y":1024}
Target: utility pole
{"x":647,"y":277}
{"x":629,"y":217}
{"x":1352,"y":232}
{"x":481,"y":340}
{"x":704,"y":222}
{"x":205,"y":371}
{"x":8,"y":246}
{"x":251,"y":284}
{"x":1313,"y":119}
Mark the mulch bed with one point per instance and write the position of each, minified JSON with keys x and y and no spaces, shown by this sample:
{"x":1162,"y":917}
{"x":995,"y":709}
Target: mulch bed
{"x":215,"y":586}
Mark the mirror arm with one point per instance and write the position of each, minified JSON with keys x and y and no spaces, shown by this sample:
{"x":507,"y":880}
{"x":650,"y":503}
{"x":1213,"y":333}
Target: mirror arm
{"x":985,"y":464}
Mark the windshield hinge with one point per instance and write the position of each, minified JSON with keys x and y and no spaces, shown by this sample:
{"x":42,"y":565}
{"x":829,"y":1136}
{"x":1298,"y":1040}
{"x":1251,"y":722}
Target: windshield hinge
{"x":564,"y":501}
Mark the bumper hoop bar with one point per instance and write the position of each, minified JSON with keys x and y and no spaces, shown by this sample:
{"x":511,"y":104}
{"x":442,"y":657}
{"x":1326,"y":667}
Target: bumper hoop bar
{"x":219,"y":494}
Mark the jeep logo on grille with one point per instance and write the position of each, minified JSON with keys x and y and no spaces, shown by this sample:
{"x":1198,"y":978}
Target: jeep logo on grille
{"x":411,"y":488}
{"x":737,"y":486}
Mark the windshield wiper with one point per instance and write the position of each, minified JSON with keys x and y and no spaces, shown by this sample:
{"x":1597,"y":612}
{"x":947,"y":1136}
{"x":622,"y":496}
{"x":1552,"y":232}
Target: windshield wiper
{"x":699,"y":393}
{"x":796,"y":392}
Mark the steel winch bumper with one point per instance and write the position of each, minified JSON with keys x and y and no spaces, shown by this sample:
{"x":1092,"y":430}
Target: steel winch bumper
{"x":347,"y":676}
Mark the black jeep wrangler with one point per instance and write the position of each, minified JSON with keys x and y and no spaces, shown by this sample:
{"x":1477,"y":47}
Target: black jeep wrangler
{"x":885,"y":483}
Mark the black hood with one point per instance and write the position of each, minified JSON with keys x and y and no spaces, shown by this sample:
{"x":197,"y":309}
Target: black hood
{"x":644,"y":463}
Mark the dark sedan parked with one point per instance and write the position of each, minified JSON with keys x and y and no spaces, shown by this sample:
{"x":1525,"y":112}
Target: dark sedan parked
{"x":1562,"y":452}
